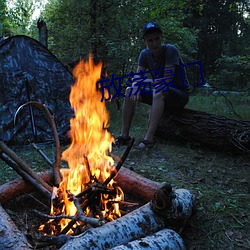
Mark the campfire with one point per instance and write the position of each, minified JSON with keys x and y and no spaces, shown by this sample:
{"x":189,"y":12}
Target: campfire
{"x":87,"y":198}
{"x":87,"y":188}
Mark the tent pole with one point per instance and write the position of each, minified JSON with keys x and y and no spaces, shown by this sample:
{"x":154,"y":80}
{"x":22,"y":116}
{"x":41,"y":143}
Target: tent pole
{"x":33,"y":125}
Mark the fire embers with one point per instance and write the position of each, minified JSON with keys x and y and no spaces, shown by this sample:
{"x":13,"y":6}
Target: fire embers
{"x":95,"y":206}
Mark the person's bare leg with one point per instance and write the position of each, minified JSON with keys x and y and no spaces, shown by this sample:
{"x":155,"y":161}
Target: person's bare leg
{"x":156,"y":114}
{"x":128,"y":110}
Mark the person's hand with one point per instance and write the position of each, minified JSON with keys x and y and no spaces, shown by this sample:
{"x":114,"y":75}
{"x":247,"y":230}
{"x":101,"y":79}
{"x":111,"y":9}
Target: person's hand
{"x":135,"y":94}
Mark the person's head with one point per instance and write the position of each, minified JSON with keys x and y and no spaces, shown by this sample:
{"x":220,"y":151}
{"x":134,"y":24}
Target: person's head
{"x":152,"y":35}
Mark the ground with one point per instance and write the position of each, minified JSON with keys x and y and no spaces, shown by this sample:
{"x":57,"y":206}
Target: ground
{"x":219,"y":180}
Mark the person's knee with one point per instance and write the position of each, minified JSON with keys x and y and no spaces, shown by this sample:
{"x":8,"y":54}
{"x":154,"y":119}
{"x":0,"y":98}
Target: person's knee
{"x":128,"y":91}
{"x":158,"y":95}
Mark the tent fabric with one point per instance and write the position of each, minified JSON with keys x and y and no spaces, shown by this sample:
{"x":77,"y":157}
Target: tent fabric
{"x":30,"y":72}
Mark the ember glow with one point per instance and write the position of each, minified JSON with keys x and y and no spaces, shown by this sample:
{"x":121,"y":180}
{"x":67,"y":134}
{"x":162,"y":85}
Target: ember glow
{"x":88,"y":155}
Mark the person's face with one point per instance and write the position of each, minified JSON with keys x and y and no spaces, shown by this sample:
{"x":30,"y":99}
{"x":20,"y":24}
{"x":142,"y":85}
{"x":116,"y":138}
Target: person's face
{"x":153,"y":41}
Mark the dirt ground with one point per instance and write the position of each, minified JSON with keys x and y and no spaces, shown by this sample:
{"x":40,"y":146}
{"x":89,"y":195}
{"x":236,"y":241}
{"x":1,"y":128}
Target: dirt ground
{"x":220,"y":182}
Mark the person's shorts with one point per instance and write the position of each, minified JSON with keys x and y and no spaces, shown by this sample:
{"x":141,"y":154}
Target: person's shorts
{"x":175,"y":99}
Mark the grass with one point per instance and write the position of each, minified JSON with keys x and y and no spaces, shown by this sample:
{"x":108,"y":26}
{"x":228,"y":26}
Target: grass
{"x":219,"y":180}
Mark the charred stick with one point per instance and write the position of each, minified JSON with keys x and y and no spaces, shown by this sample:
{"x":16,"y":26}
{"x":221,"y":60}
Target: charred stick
{"x":57,"y":174}
{"x":79,"y":215}
{"x":97,"y":187}
{"x":86,"y":162}
{"x":23,"y":165}
{"x":25,"y":176}
{"x":69,"y":226}
{"x":51,"y":217}
{"x":120,"y":163}
{"x":87,"y":220}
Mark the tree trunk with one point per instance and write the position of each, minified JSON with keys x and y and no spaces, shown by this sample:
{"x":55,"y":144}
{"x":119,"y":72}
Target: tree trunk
{"x":212,"y":131}
{"x":43,"y":32}
{"x":10,"y":237}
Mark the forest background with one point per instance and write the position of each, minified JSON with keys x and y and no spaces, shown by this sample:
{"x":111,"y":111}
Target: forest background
{"x":214,"y":32}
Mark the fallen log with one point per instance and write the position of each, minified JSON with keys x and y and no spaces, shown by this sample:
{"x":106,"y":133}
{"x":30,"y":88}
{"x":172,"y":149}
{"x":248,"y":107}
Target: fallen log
{"x":163,"y":239}
{"x":150,"y":218}
{"x":10,"y":237}
{"x":212,"y":131}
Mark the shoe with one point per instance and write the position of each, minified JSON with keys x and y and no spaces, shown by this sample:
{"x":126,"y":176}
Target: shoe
{"x":146,"y":144}
{"x":121,"y":141}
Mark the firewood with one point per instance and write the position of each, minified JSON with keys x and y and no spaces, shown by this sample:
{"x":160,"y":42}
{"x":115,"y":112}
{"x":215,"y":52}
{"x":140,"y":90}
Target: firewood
{"x":161,"y":240}
{"x":136,"y":185}
{"x":23,"y":165}
{"x":26,"y":176}
{"x":18,"y":187}
{"x":10,"y":237}
{"x":211,"y":131}
{"x":140,"y":187}
{"x":150,"y":218}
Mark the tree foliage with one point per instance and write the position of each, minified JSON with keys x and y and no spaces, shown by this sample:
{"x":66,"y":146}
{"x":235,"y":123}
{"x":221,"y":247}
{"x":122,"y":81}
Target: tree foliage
{"x":215,"y":32}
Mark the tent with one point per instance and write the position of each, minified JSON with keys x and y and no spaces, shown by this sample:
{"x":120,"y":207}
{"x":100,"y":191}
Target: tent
{"x":30,"y":72}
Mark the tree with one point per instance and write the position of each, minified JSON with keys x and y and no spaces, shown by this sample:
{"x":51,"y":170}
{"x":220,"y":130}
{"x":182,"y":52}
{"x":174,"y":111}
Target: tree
{"x":223,"y":32}
{"x":4,"y":20}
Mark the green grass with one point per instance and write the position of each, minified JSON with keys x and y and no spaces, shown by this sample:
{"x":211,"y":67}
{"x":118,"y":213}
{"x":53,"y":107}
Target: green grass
{"x":220,"y":181}
{"x":228,"y":105}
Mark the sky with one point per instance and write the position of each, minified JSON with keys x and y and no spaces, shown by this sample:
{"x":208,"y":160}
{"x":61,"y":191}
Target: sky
{"x":38,"y":3}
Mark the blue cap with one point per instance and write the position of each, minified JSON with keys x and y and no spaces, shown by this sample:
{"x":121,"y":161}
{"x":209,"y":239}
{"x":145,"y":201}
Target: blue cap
{"x":150,"y":26}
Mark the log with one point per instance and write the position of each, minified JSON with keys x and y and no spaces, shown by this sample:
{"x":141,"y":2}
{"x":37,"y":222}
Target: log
{"x":211,"y":131}
{"x":10,"y":237}
{"x":25,"y":176}
{"x":22,"y":164}
{"x":150,"y":218}
{"x":131,"y":182}
{"x":136,"y":185}
{"x":163,"y":239}
{"x":18,"y":187}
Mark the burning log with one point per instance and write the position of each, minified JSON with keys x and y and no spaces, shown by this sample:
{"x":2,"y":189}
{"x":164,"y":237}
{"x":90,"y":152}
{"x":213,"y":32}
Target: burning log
{"x":10,"y":237}
{"x":165,"y":210}
{"x":216,"y":132}
{"x":163,"y":239}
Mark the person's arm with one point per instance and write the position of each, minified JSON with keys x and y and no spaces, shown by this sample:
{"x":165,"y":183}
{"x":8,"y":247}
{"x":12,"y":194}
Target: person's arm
{"x":168,"y":76}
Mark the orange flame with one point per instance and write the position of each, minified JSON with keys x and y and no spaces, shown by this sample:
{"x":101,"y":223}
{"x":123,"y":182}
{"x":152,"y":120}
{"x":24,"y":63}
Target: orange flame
{"x":87,"y":156}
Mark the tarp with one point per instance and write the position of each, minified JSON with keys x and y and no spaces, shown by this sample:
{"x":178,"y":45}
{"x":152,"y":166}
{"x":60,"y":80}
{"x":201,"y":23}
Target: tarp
{"x":29,"y":71}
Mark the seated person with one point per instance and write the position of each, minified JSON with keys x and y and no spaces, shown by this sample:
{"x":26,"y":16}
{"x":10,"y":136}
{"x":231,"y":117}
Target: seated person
{"x":170,"y":86}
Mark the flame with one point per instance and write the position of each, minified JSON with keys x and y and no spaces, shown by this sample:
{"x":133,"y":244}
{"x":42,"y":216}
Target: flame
{"x":88,"y":155}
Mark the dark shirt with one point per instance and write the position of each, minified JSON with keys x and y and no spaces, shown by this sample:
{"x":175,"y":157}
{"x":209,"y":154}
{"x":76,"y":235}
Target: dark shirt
{"x":171,"y":56}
